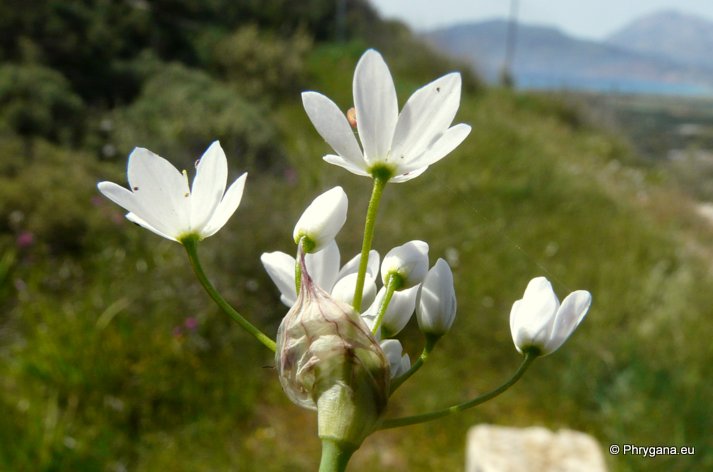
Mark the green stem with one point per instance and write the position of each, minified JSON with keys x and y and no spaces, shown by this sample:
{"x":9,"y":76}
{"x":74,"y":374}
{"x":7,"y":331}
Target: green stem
{"x":298,"y":277}
{"x":377,"y":191}
{"x":430,"y":343}
{"x":298,"y":268}
{"x":394,"y":282}
{"x":191,"y":245}
{"x":335,"y":456}
{"x":409,"y":420}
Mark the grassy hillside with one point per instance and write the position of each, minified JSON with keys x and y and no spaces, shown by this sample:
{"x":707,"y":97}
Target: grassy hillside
{"x":112,"y":358}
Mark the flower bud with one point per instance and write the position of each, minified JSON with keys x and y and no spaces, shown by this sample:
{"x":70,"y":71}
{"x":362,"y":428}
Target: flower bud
{"x":322,"y":220}
{"x":539,"y":323}
{"x":409,"y":261}
{"x":328,"y":360}
{"x":436,"y":308}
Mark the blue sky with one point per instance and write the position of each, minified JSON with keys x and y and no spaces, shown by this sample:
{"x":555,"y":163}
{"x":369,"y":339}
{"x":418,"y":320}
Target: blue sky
{"x":594,"y":19}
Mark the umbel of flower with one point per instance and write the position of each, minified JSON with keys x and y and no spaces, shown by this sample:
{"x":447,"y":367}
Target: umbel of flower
{"x":322,"y":220}
{"x":436,"y":308}
{"x":161,"y":201}
{"x":397,"y":147}
{"x":328,"y":360}
{"x":539,"y":324}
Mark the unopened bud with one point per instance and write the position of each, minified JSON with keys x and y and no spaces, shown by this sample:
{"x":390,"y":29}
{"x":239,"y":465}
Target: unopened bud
{"x":538,"y":322}
{"x":436,"y":308}
{"x":409,"y":261}
{"x":322,"y":220}
{"x":328,"y":360}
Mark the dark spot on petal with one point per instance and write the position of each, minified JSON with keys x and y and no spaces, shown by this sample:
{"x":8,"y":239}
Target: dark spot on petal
{"x":438,"y":89}
{"x":186,"y":194}
{"x":136,"y":188}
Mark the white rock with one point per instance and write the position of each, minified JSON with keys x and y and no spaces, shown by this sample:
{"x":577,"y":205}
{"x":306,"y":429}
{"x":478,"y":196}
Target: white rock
{"x":536,"y":449}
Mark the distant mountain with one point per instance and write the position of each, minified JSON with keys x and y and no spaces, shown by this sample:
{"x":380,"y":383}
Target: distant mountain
{"x":547,"y":58}
{"x":679,"y":37}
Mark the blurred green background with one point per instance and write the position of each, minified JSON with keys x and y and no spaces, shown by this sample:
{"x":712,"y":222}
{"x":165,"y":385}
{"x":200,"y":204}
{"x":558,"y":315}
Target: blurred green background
{"x":113,"y":359}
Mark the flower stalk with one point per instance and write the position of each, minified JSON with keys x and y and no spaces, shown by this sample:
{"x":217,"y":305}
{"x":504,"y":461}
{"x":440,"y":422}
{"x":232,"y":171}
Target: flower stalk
{"x":335,"y":456}
{"x":395,"y":282}
{"x":530,"y":356}
{"x":373,"y":208}
{"x":431,"y":341}
{"x":191,"y":245}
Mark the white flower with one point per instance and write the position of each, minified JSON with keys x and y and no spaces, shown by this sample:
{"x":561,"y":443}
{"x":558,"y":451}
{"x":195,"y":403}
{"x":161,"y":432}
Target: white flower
{"x":324,"y":269}
{"x":161,"y":201}
{"x":436,"y":307}
{"x":539,"y":321}
{"x":398,"y":363}
{"x":322,"y":220}
{"x":409,"y":261}
{"x":400,"y":146}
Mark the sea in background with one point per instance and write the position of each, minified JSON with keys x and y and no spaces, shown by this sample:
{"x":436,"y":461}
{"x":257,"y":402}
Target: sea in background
{"x":612,"y":85}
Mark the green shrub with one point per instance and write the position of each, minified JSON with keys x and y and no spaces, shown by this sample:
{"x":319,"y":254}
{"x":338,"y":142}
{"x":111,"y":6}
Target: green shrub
{"x":260,"y":64}
{"x":38,"y":101}
{"x":180,"y":111}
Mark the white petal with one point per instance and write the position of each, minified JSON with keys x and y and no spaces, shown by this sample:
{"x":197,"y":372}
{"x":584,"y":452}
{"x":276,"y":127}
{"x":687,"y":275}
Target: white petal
{"x":405,"y":364}
{"x":352,"y":266}
{"x":345,"y":287}
{"x":324,"y":265}
{"x":531,"y":318}
{"x":572,"y":311}
{"x":333,"y":126}
{"x":323,"y":218}
{"x":446,"y":143}
{"x":426,"y":115}
{"x":436,"y":308}
{"x":399,"y":312}
{"x":373,"y":264}
{"x":161,"y":189}
{"x":144,"y":224}
{"x":226,"y":207}
{"x":410,"y":261}
{"x":393,"y":350}
{"x":341,"y":162}
{"x":376,"y":106}
{"x":515,"y":323}
{"x":127,"y":200}
{"x":281,"y":269}
{"x":208,"y":185}
{"x":408,"y":175}
{"x":121,"y":196}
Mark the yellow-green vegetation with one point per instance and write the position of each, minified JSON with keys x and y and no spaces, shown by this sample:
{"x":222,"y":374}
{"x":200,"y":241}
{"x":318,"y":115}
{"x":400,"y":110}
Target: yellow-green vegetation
{"x":112,"y":357}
